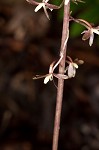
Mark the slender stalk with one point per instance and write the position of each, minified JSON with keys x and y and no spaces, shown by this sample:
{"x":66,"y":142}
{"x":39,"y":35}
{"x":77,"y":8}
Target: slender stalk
{"x":61,"y":81}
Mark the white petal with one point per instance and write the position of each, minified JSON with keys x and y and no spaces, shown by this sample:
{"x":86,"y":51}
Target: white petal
{"x":74,"y":72}
{"x":46,"y":1}
{"x":91,"y":39}
{"x":39,"y":7}
{"x":75,"y":65}
{"x":66,"y":2}
{"x":46,"y":80}
{"x":83,"y":32}
{"x":49,"y":77}
{"x":71,"y":70}
{"x":46,"y":13}
{"x":51,"y":9}
{"x":95,"y":31}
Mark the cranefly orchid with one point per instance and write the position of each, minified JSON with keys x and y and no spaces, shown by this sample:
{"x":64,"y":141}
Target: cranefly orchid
{"x":73,"y":65}
{"x":45,"y":5}
{"x":49,"y":77}
{"x":89,"y":33}
{"x":70,"y":70}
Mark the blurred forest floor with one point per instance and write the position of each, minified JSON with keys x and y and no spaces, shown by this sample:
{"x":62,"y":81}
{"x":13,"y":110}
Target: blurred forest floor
{"x":28,"y":44}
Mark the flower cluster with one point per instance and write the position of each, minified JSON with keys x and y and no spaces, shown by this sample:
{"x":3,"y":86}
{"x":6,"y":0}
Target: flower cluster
{"x":70,"y":70}
{"x":49,"y":77}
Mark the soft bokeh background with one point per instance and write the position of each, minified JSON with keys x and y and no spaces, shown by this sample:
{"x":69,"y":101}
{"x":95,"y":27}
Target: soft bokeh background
{"x":29,"y":42}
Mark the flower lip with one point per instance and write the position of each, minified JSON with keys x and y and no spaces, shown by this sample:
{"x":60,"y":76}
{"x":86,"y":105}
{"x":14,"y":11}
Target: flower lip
{"x":86,"y":35}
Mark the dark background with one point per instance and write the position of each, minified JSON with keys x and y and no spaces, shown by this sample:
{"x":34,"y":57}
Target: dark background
{"x":29,"y":43}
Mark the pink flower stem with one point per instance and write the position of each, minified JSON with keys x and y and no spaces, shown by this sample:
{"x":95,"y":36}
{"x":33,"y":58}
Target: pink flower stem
{"x":61,"y":71}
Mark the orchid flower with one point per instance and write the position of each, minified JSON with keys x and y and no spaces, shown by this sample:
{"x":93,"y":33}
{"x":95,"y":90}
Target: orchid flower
{"x":73,"y":65}
{"x":45,"y":5}
{"x":49,"y":77}
{"x":72,"y":69}
{"x":89,"y":33}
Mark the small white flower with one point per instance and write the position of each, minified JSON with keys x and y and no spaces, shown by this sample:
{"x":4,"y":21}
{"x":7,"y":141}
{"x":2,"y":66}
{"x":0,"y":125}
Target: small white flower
{"x":89,"y":34}
{"x":73,"y":65}
{"x":49,"y":77}
{"x":43,"y":4}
